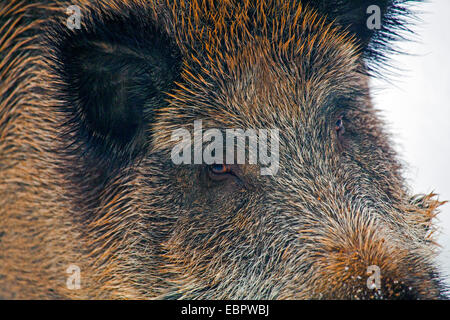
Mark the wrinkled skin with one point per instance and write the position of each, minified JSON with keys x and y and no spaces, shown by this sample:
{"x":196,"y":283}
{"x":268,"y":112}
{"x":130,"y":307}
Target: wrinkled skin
{"x":87,"y":176}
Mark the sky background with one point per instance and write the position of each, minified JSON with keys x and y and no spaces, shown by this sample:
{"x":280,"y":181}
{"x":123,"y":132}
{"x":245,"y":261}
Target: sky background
{"x":416,"y":109}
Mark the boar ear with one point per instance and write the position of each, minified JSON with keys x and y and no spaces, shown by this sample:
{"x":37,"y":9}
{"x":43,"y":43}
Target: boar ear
{"x":114,"y":73}
{"x":376,"y":24}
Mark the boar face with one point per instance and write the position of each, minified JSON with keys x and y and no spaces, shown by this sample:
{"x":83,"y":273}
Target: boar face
{"x":141,"y":226}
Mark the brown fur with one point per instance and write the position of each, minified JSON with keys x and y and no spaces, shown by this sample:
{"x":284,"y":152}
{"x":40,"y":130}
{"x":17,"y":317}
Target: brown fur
{"x":145,"y":228}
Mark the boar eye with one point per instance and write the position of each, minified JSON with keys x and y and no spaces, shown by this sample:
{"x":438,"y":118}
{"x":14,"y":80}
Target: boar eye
{"x":219,"y":169}
{"x":339,"y":127}
{"x":219,"y":172}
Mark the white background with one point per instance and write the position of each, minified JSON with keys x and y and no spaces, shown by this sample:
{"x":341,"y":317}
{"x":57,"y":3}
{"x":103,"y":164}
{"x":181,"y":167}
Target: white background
{"x":416,"y":109}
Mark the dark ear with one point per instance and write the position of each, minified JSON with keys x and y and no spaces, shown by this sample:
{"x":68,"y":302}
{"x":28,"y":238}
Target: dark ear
{"x":375,"y":23}
{"x":114,"y":74}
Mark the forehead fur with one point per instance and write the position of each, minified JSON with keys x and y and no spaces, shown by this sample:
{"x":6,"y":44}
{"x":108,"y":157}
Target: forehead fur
{"x":279,"y":59}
